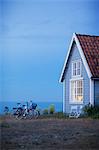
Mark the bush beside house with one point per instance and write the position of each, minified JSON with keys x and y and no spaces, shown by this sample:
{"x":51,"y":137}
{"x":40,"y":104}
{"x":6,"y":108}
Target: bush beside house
{"x":91,"y":111}
{"x":51,"y":109}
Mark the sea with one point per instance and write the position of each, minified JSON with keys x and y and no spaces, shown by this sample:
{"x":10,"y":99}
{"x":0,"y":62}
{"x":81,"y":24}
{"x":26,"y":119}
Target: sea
{"x":40,"y":105}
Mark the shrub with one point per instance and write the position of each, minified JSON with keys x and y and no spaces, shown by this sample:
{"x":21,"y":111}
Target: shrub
{"x":6,"y":110}
{"x":51,"y":109}
{"x":91,"y":111}
{"x":45,"y":111}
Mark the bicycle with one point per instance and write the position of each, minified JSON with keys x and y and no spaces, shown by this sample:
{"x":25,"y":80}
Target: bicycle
{"x":22,"y":113}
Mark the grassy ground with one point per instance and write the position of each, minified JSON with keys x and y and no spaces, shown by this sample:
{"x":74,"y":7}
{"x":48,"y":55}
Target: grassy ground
{"x":49,"y":134}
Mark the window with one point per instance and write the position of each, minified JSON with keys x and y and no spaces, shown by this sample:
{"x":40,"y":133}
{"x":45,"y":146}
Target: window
{"x":76,"y":68}
{"x":76,"y":87}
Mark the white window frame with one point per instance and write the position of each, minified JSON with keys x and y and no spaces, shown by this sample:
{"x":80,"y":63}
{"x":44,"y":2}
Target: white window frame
{"x":70,"y":96}
{"x":76,"y":61}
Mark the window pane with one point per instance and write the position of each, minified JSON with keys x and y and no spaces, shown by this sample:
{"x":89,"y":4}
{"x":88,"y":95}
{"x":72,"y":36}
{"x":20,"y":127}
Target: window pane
{"x":74,"y":72}
{"x":74,"y":69}
{"x":74,"y":65}
{"x":78,"y":71}
{"x":78,"y":65}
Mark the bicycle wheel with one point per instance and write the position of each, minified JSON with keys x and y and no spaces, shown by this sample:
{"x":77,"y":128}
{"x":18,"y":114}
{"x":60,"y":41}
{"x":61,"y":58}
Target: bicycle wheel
{"x":35,"y":114}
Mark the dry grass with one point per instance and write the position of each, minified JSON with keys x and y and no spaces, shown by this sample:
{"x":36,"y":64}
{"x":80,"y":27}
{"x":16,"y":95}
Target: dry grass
{"x":49,"y":134}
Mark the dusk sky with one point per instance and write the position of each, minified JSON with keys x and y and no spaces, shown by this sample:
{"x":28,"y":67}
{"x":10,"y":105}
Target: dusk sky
{"x":34,"y":39}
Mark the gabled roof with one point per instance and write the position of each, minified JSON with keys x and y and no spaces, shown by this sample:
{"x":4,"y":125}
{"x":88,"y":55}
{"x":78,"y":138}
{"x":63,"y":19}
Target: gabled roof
{"x":88,"y":46}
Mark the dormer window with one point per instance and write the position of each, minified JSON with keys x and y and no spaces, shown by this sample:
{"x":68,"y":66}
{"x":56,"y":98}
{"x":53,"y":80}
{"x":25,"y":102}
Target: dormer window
{"x":76,"y":68}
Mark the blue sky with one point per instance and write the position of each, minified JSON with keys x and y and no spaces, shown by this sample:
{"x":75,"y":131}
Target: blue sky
{"x":34,"y":37}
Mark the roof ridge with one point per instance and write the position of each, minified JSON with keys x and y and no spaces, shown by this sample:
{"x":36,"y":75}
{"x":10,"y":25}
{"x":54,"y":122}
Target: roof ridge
{"x":86,"y":35}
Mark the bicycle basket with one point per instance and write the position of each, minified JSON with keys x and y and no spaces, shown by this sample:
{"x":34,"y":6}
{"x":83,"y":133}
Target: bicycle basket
{"x":34,"y":106}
